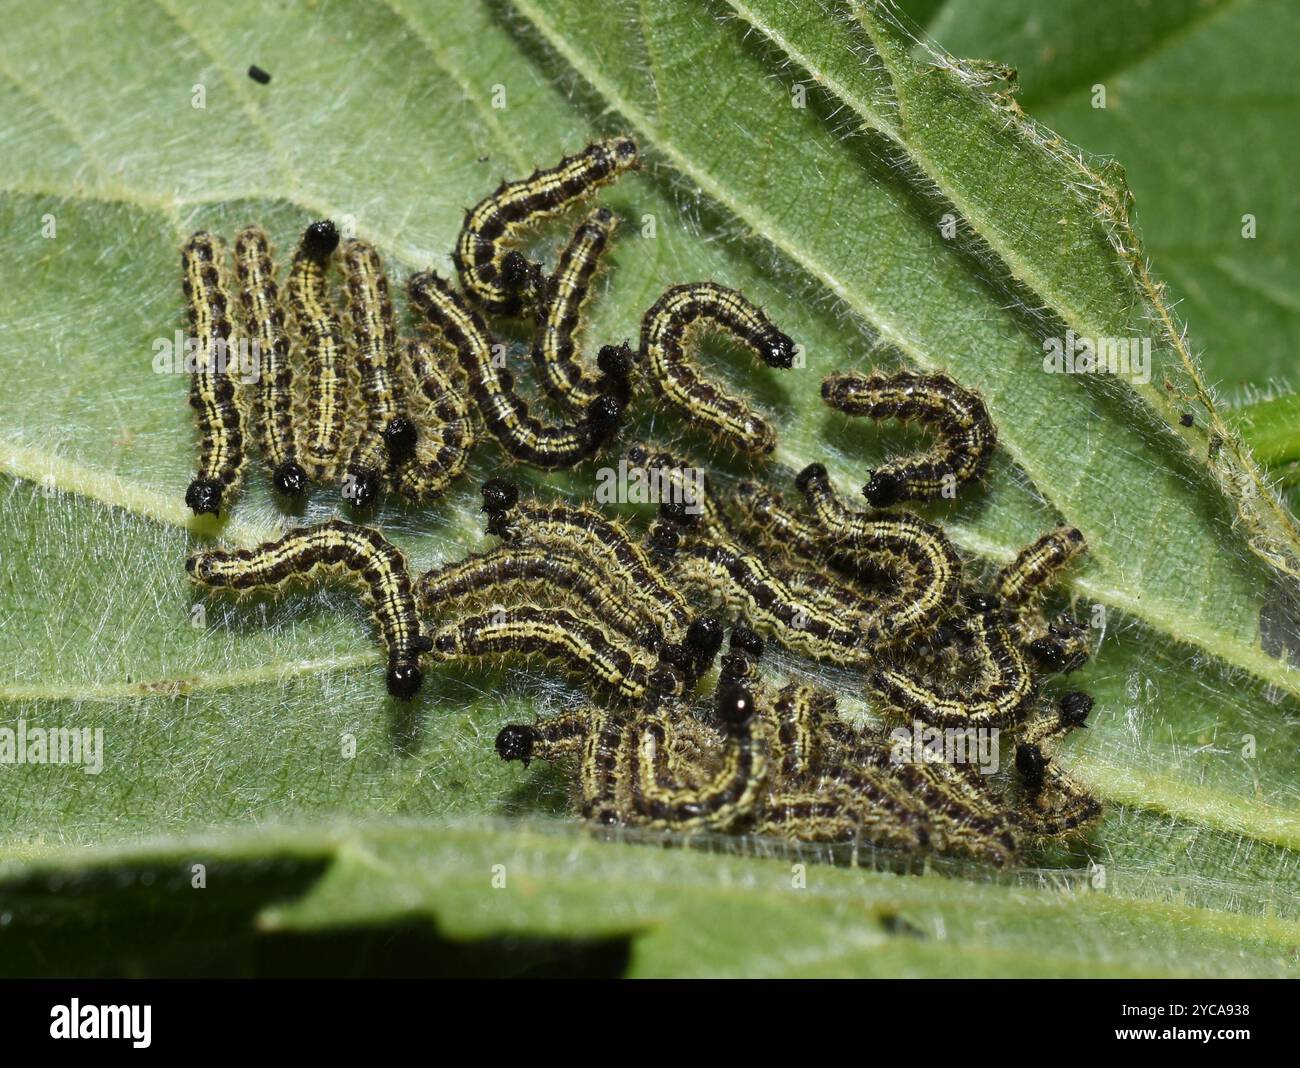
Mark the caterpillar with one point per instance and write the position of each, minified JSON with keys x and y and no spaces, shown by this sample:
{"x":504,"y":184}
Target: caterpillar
{"x":743,"y":582}
{"x":920,"y":548}
{"x":632,"y":772}
{"x":444,"y":428}
{"x":273,"y":409}
{"x":605,"y":545}
{"x":501,"y":280}
{"x":213,"y":393}
{"x":790,"y":767}
{"x":539,"y":569}
{"x":334,"y":546}
{"x":583,"y":645}
{"x":1035,"y":566}
{"x":323,"y":418}
{"x":667,"y":331}
{"x":965,"y":431}
{"x":1004,"y":689}
{"x":506,"y":414}
{"x":385,"y":436}
{"x":559,"y":318}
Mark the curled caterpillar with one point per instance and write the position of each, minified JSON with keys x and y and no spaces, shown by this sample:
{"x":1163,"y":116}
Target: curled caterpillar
{"x":921,"y":549}
{"x":213,"y":393}
{"x":999,"y":696}
{"x":559,"y":320}
{"x":444,"y":428}
{"x":323,"y":417}
{"x":335,"y":546}
{"x":384,"y":437}
{"x":788,"y":766}
{"x":506,"y":414}
{"x":500,"y":279}
{"x":966,"y":436}
{"x":273,"y":407}
{"x":668,"y":331}
{"x":584,"y":646}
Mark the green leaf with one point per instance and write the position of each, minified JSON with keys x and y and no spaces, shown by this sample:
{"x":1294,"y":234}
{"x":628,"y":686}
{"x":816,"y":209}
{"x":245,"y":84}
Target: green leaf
{"x":224,"y":742}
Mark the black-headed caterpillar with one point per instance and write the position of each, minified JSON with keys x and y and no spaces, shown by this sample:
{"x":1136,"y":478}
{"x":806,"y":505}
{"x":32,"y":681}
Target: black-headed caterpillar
{"x":499,"y":278}
{"x":360,"y":552}
{"x":559,"y":323}
{"x":264,"y":320}
{"x":669,"y":337}
{"x":213,"y":392}
{"x":919,"y":550}
{"x":322,"y":416}
{"x":966,"y":436}
{"x":385,"y":436}
{"x":506,"y":414}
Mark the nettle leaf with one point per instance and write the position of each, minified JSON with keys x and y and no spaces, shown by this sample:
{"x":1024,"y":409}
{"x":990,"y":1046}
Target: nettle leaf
{"x":805,"y":155}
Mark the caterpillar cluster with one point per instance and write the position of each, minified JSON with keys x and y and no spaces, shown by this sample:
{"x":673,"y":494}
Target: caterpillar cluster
{"x":331,"y":397}
{"x":641,"y":621}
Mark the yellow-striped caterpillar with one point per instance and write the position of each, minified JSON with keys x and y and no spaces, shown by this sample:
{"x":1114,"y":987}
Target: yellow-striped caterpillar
{"x":359,"y":552}
{"x":998,"y":696}
{"x":743,"y":582}
{"x":788,"y":766}
{"x":604,"y":544}
{"x":669,"y":334}
{"x":559,"y":321}
{"x":535,"y":573}
{"x":583,"y":646}
{"x":966,"y":436}
{"x":322,"y":418}
{"x":506,"y":414}
{"x":499,"y":278}
{"x":444,"y":435}
{"x":213,"y":393}
{"x":1036,"y":566}
{"x":264,"y":316}
{"x":921,"y":550}
{"x":385,"y":436}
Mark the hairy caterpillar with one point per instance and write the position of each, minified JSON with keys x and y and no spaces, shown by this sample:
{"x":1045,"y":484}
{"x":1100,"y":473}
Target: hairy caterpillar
{"x":668,"y":331}
{"x":607,"y":547}
{"x":273,"y":408}
{"x":501,"y":280}
{"x":385,"y":436}
{"x":965,"y":432}
{"x":559,"y":319}
{"x":335,"y":546}
{"x":584,"y":646}
{"x":444,"y":434}
{"x":323,"y":417}
{"x":213,"y":393}
{"x":999,"y":696}
{"x":1036,"y":566}
{"x":921,"y":549}
{"x":543,"y":570}
{"x":506,"y":414}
